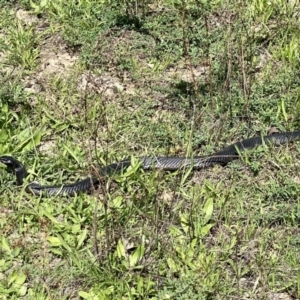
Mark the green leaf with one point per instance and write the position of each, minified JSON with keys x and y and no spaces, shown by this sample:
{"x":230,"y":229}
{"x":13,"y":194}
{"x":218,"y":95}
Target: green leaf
{"x":23,"y":290}
{"x":56,"y":251}
{"x":5,"y":245}
{"x":120,"y":249}
{"x":88,"y":296}
{"x":208,"y":209}
{"x":33,"y":5}
{"x":116,"y":202}
{"x":138,"y":254}
{"x":16,"y":281}
{"x":20,"y":279}
{"x":43,"y":3}
{"x":205,"y":229}
{"x":135,"y":165}
{"x":13,"y":277}
{"x":81,"y":238}
{"x":184,"y":221}
{"x":284,"y":110}
{"x":84,"y":295}
{"x":49,"y":216}
{"x":54,"y":241}
{"x":186,"y":175}
{"x":76,"y":228}
{"x":3,"y":135}
{"x":63,"y":243}
{"x":172,"y":265}
{"x":28,"y":140}
{"x":72,"y":153}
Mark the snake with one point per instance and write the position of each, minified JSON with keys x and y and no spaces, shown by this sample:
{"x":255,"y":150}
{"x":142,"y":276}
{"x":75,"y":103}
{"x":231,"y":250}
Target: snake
{"x":168,"y":163}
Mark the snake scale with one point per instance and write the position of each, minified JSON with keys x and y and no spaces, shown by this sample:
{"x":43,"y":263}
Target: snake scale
{"x":221,"y":157}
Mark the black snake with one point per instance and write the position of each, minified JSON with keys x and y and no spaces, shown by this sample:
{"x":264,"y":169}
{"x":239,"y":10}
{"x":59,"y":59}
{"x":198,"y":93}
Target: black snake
{"x":147,"y":163}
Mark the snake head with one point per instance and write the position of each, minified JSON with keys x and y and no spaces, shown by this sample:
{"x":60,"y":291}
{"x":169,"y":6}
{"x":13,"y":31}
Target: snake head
{"x":14,"y":166}
{"x":9,"y":161}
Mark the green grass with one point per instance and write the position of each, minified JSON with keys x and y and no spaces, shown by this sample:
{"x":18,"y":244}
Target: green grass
{"x":87,"y":83}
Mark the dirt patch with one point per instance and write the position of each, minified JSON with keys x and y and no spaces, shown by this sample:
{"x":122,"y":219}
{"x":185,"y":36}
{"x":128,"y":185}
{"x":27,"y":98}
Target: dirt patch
{"x":27,"y":17}
{"x":55,"y":60}
{"x":104,"y":83}
{"x":54,"y":55}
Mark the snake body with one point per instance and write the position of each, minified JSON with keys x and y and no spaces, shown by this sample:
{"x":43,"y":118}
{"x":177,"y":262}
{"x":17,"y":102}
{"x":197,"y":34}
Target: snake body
{"x":221,"y":157}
